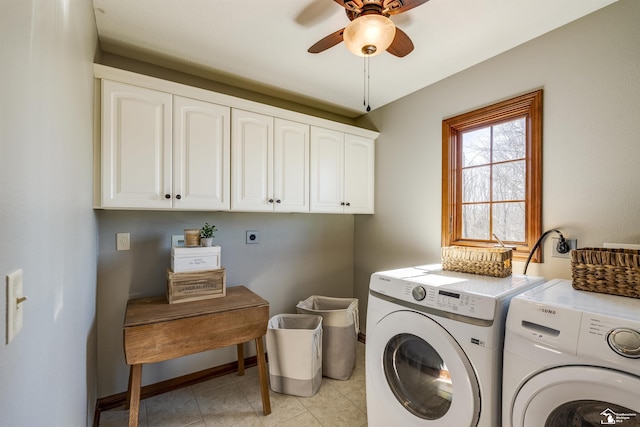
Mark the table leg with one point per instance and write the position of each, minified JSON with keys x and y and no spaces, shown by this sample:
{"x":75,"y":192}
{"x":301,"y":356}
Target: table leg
{"x":262,"y":373}
{"x":133,"y":394}
{"x":240,"y":359}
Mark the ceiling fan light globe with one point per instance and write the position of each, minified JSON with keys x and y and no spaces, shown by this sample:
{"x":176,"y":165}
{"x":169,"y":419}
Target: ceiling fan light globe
{"x":369,"y":35}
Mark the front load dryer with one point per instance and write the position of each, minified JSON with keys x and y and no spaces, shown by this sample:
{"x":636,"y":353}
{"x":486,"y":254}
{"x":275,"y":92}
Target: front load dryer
{"x":434,"y":346}
{"x":571,"y":358}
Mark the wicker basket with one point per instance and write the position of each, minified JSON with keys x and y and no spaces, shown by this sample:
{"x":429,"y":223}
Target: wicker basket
{"x":494,"y":262}
{"x":610,"y":271}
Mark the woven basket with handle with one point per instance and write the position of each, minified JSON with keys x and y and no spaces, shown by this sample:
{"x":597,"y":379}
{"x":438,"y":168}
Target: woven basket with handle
{"x":609,"y":271}
{"x":494,"y":262}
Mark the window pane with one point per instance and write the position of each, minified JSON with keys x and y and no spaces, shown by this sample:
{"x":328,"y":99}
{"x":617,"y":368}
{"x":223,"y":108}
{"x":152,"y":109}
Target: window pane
{"x":508,"y":221}
{"x":509,"y":140}
{"x":475,"y":184}
{"x":509,"y":181}
{"x":476,"y":147}
{"x":475,"y":222}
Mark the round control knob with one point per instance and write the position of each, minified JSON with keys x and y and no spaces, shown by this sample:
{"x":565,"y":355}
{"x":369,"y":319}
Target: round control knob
{"x":167,"y":196}
{"x":418,"y":293}
{"x":178,"y":197}
{"x":625,"y":342}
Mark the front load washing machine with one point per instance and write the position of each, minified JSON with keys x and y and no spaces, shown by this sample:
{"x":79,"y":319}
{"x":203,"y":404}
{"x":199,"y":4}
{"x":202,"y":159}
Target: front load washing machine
{"x":571,"y":358}
{"x":434,"y":346}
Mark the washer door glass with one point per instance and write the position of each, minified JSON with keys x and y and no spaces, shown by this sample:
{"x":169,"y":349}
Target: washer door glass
{"x":418,"y":376}
{"x":588,"y":413}
{"x":418,"y":373}
{"x":580,"y":396}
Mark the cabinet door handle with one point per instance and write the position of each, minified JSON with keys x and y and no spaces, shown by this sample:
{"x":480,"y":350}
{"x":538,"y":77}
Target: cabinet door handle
{"x":348,"y":204}
{"x":278,"y":201}
{"x":167,"y":196}
{"x":342,"y":204}
{"x":178,"y":197}
{"x":270,"y":200}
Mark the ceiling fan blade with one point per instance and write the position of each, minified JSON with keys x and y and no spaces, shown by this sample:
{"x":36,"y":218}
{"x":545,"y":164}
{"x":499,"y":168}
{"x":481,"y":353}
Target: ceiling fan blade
{"x":401,"y":44}
{"x":330,"y":41}
{"x":350,"y":4}
{"x":315,"y":12}
{"x":395,"y":7}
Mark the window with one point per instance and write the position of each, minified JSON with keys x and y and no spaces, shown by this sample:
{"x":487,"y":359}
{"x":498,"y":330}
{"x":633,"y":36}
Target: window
{"x":492,"y":175}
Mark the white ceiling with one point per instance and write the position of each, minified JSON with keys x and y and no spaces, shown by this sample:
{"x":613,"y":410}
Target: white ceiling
{"x":262,"y":44}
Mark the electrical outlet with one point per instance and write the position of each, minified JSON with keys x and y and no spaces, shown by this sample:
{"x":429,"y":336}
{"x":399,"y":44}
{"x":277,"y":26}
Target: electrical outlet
{"x":253,"y":237}
{"x":573,"y":244}
{"x":15,"y":298}
{"x":122,"y":242}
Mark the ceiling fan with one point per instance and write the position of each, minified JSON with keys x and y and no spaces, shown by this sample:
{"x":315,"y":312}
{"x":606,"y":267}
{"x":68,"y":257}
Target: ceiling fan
{"x":370,"y":31}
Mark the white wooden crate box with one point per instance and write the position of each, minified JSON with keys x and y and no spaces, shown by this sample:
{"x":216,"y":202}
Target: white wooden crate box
{"x":189,"y":259}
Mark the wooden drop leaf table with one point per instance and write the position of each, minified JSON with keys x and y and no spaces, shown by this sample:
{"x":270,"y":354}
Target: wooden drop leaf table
{"x":155,"y":331}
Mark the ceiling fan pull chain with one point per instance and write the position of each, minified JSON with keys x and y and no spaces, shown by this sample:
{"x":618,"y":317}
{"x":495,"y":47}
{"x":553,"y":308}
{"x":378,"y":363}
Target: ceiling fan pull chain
{"x":368,"y":83}
{"x":364,"y":81}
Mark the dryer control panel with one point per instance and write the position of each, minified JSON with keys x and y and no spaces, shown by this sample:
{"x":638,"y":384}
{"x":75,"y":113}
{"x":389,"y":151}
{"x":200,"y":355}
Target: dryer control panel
{"x":432,"y":292}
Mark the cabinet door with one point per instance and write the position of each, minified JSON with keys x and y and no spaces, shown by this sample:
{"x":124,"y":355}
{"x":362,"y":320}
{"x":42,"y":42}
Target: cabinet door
{"x":327,"y":168}
{"x":201,"y":155}
{"x":136,"y":147}
{"x":291,"y":166}
{"x":359,"y":159}
{"x":252,"y":161}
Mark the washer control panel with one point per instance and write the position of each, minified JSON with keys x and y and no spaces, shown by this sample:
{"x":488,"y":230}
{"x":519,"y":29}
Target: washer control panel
{"x":605,"y":336}
{"x":435,"y":296}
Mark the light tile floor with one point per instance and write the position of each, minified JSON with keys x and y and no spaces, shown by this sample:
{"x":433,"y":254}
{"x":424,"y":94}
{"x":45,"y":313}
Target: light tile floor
{"x":235,"y":401}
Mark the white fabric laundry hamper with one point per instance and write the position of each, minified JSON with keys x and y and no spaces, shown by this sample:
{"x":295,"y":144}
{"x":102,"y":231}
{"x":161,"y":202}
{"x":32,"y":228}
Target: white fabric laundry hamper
{"x":340,"y":328}
{"x":294,"y":345}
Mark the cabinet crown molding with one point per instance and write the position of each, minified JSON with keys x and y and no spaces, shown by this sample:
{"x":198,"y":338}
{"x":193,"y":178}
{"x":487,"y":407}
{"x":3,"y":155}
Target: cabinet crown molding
{"x":123,"y":76}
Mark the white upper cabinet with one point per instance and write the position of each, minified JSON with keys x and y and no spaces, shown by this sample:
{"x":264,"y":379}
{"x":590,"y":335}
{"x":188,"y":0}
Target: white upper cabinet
{"x":252,"y":161}
{"x":165,"y":145}
{"x":201,"y":155}
{"x":291,"y":166}
{"x":342,"y":172}
{"x":136,"y":147}
{"x":270,"y":164}
{"x":359,"y":176}
{"x":161,"y":151}
{"x":327,"y":166}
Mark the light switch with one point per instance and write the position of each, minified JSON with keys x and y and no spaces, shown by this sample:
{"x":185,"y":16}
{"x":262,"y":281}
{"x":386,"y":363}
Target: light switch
{"x":15,"y":302}
{"x":122,"y":242}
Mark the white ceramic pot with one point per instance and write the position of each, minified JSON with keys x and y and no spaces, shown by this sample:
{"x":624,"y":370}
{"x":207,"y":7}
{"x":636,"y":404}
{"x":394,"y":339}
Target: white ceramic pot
{"x":206,"y":241}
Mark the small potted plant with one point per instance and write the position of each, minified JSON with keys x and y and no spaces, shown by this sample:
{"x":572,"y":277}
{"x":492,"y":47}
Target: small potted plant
{"x":206,"y":234}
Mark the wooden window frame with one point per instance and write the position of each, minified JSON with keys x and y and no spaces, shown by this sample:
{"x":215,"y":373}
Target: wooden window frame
{"x":528,"y":106}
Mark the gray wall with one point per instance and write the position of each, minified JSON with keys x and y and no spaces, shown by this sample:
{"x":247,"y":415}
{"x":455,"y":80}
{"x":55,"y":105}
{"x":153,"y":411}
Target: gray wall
{"x":47,"y":226}
{"x":590,"y":73}
{"x":298,"y":255}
